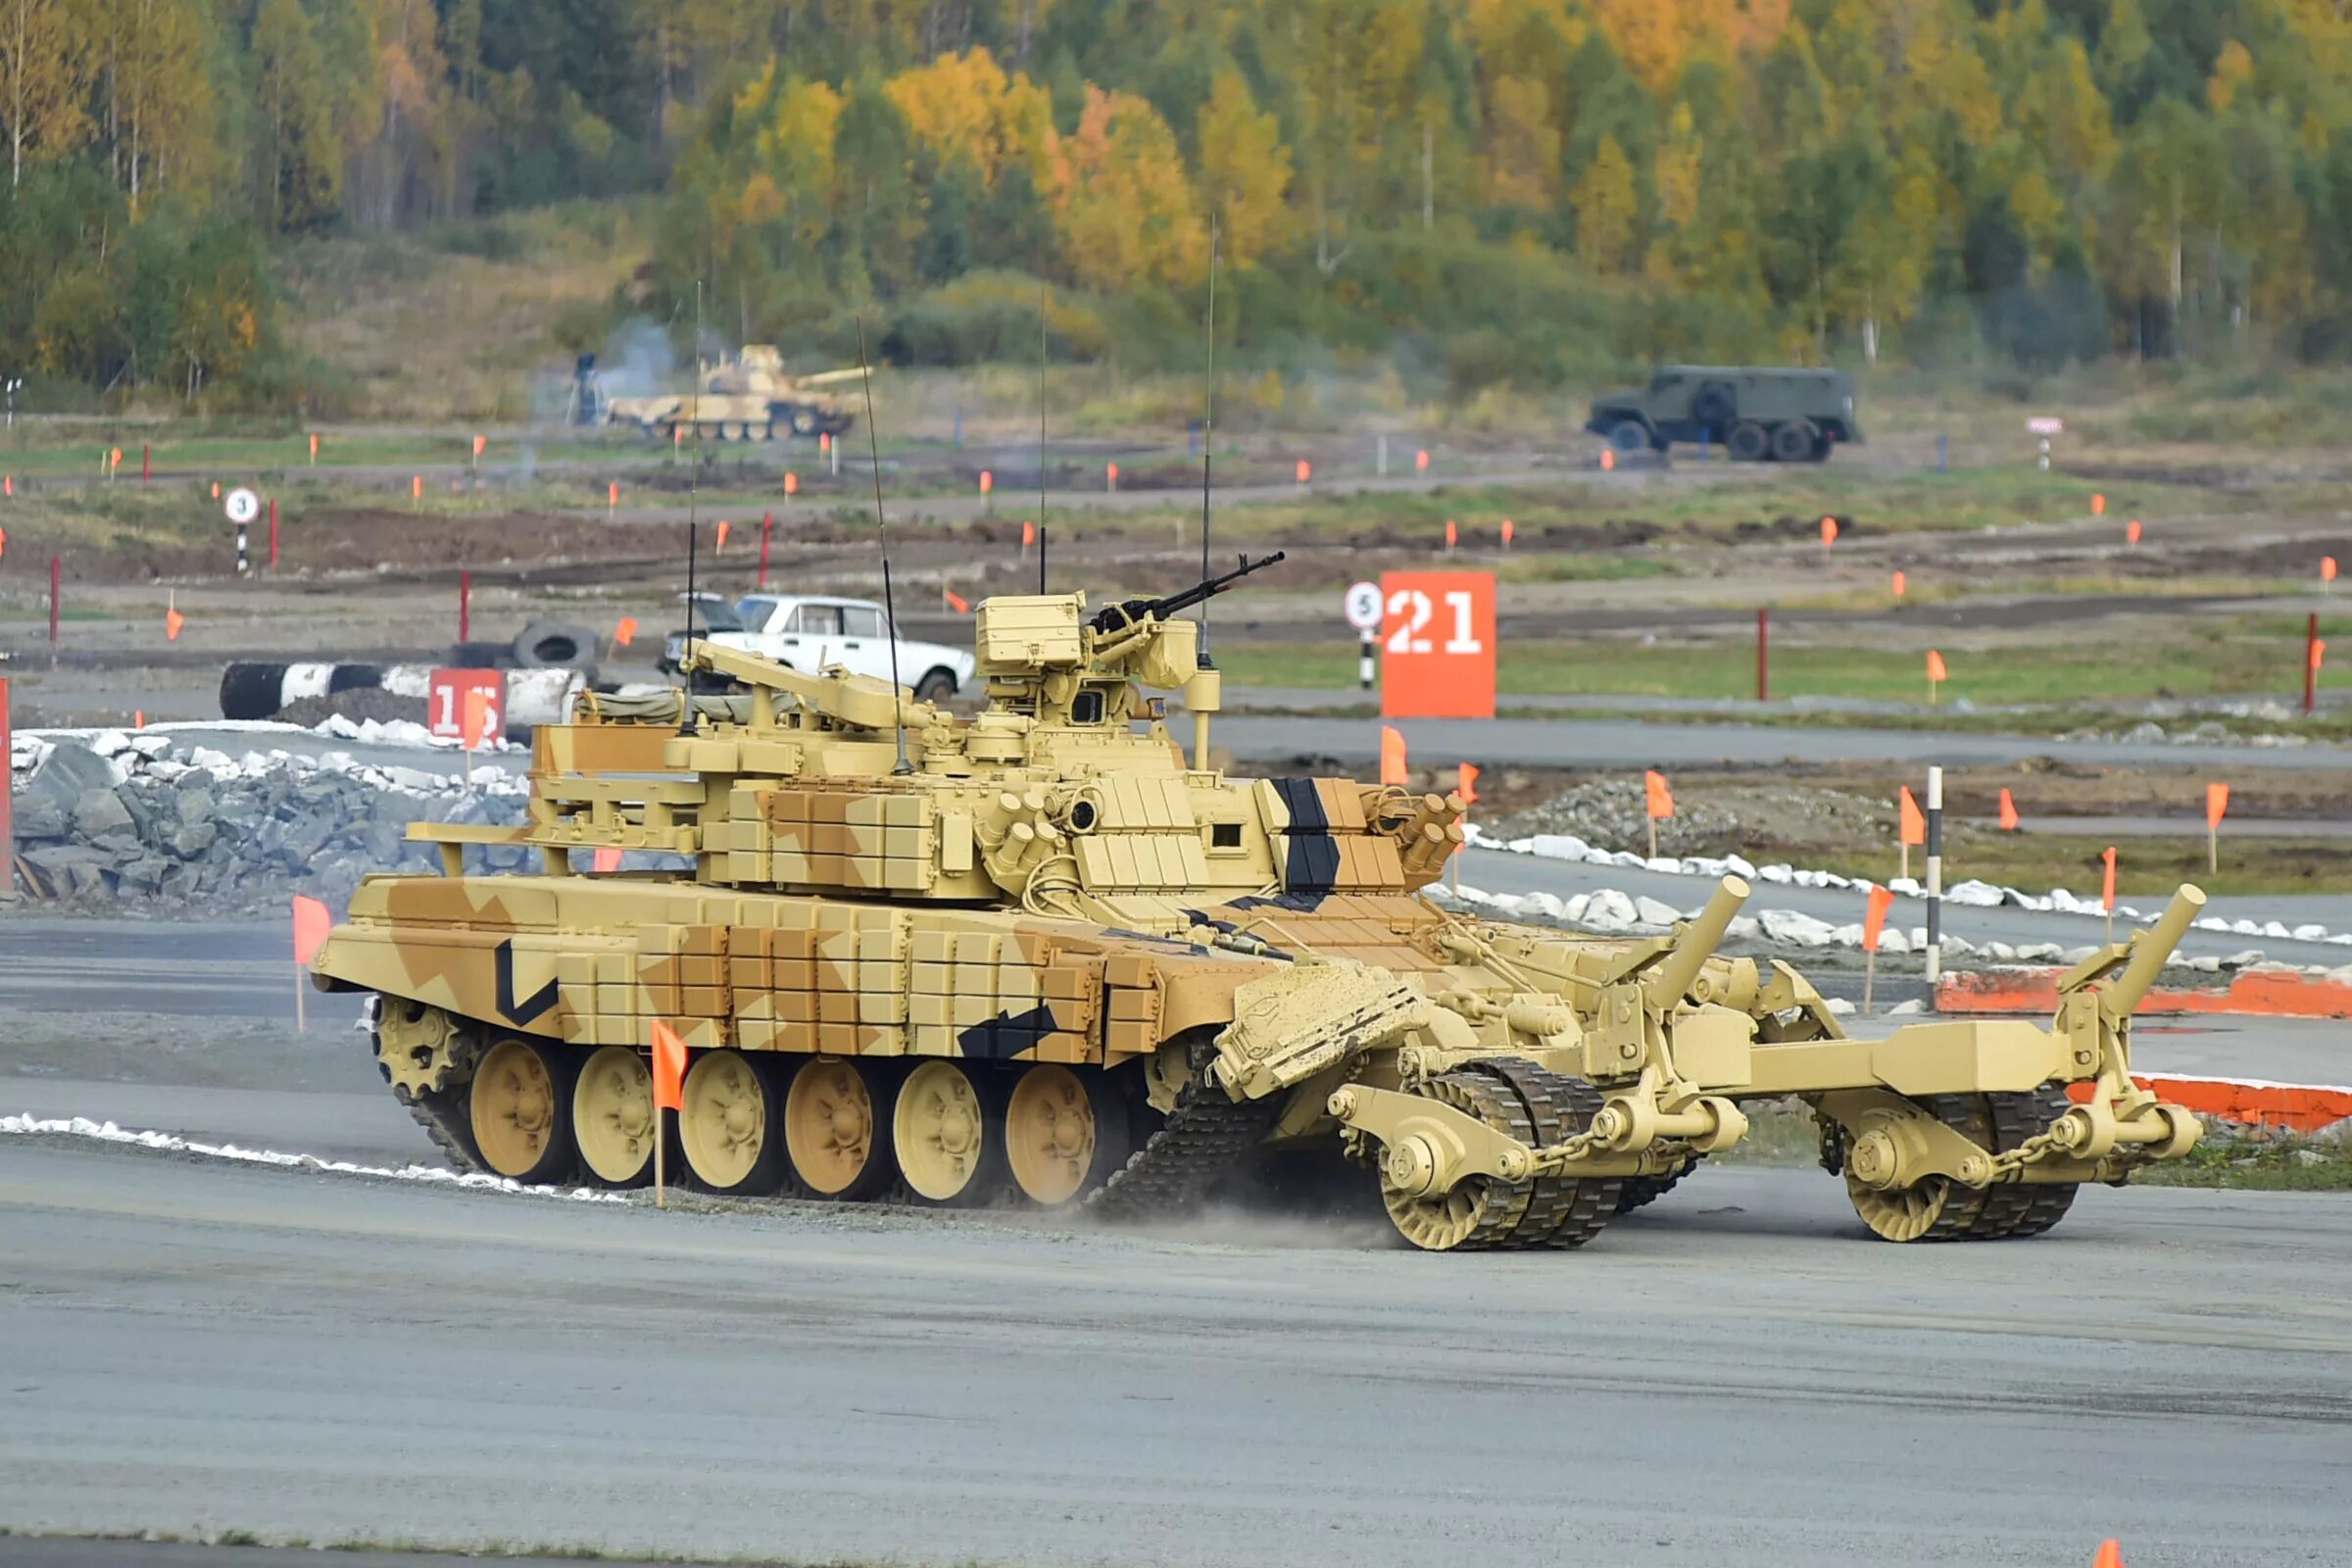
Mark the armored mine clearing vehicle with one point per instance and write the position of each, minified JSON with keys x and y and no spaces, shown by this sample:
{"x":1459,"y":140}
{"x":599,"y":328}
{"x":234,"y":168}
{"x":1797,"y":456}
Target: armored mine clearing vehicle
{"x":746,"y":398}
{"x":1036,"y":956}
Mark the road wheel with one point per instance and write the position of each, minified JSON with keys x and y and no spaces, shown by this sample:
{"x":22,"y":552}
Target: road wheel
{"x":1750,"y":442}
{"x":520,"y":1110}
{"x":936,"y":687}
{"x":730,"y":1125}
{"x":803,"y":422}
{"x":1063,"y":1134}
{"x":1628,"y":436}
{"x":1793,"y":442}
{"x":838,"y":1147}
{"x":764,"y":432}
{"x":613,"y":1117}
{"x":949,"y":1134}
{"x":730,"y":429}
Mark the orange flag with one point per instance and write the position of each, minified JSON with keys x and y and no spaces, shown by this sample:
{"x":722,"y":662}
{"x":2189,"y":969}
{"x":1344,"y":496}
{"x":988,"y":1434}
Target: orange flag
{"x":606,"y":860}
{"x":670,"y":1069}
{"x":1874,"y":918}
{"x":1454,"y":535}
{"x":1392,"y":754}
{"x":479,"y":442}
{"x":1467,"y":788}
{"x":311,"y":922}
{"x":1110,"y":474}
{"x":2110,"y":1555}
{"x":792,"y":483}
{"x":1305,"y":470}
{"x":3,"y":541}
{"x":2327,"y":569}
{"x":2107,"y":882}
{"x":415,"y":487}
{"x":1507,"y":531}
{"x":478,"y":718}
{"x":613,"y":493}
{"x":2132,"y":532}
{"x":2217,"y":803}
{"x":1900,"y":583}
{"x":627,"y":632}
{"x":2098,"y":506}
{"x":1936,"y":669}
{"x":955,"y":601}
{"x":1829,"y":531}
{"x":1608,"y":460}
{"x":172,"y":621}
{"x":1661,"y":799}
{"x":1028,"y":533}
{"x":2008,"y":813}
{"x":1421,"y":461}
{"x":988,"y":481}
{"x":2318,"y":650}
{"x":722,"y":534}
{"x":1913,"y":822}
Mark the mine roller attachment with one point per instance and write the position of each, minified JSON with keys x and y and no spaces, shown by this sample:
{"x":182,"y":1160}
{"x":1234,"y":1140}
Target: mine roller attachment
{"x":2004,"y":1159}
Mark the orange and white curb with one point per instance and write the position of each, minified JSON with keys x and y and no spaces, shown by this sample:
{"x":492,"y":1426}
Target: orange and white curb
{"x":2298,"y":1107}
{"x":2262,"y":993}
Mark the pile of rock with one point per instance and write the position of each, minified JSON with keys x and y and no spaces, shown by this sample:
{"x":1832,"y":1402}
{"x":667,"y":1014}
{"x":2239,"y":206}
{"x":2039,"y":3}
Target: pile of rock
{"x":115,"y":820}
{"x":1616,"y":811}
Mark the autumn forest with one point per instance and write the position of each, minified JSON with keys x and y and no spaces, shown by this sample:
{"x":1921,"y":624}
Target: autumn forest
{"x":1503,"y":191}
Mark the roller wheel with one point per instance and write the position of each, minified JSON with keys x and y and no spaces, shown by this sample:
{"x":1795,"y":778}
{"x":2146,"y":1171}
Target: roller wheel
{"x":1537,"y":1108}
{"x":730,"y":1125}
{"x":1063,"y":1134}
{"x":1937,"y":1208}
{"x":1750,"y":442}
{"x":613,"y":1117}
{"x":948,"y":1131}
{"x":519,"y":1108}
{"x":838,"y":1147}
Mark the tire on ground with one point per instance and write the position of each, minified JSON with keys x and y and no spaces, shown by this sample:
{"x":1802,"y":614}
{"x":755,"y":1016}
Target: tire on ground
{"x":1793,"y":442}
{"x":555,"y":643}
{"x":1750,"y":442}
{"x":1628,"y":436}
{"x":252,"y":691}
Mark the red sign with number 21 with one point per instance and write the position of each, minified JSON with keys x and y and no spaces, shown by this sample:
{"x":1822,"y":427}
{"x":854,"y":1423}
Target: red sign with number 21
{"x":1437,"y":640}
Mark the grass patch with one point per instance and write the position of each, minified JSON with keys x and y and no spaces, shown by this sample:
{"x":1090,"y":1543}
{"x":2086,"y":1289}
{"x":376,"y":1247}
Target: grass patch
{"x":2258,"y":1159}
{"x":2217,"y":660}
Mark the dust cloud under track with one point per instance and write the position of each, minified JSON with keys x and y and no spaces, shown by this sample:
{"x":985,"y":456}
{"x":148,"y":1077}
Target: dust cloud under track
{"x":1730,"y":1377}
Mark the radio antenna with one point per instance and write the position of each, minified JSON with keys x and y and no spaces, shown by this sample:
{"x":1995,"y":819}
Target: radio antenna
{"x":1208,"y":430}
{"x":890,"y":606}
{"x":694,"y":472}
{"x":1041,"y":437}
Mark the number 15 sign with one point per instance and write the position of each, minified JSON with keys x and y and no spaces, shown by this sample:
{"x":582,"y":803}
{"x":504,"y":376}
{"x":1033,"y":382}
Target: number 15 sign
{"x":1437,"y":638}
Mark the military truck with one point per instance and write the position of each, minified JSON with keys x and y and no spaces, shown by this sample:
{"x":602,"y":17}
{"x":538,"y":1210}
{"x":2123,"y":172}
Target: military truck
{"x":1042,"y":957}
{"x":747,"y":397}
{"x":1758,"y":414}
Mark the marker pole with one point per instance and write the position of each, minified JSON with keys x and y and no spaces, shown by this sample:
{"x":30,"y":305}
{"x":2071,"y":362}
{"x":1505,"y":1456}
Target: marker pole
{"x":57,"y":579}
{"x":1935,"y":876}
{"x":274,"y":533}
{"x":465,"y":603}
{"x":7,"y":788}
{"x":1364,"y":666}
{"x":1763,"y":656}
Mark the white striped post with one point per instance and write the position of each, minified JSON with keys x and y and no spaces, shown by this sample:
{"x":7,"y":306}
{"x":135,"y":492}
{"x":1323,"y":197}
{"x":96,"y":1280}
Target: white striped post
{"x":1935,"y":880}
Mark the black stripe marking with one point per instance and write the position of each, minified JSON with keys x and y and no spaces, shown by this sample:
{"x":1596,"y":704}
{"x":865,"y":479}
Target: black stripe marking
{"x":1312,"y":864}
{"x":530,"y":1006}
{"x":1007,"y":1034}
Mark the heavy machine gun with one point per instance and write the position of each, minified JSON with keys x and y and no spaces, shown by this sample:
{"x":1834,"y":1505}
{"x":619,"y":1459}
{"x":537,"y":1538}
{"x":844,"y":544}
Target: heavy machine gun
{"x":1128,"y":613}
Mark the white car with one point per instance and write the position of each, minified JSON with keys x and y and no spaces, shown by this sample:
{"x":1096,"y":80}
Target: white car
{"x":812,"y":634}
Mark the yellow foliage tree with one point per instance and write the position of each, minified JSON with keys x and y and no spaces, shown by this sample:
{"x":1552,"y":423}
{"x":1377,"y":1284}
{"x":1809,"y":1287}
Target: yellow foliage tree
{"x":1523,"y":145}
{"x":43,"y":73}
{"x":1122,"y":206}
{"x":964,"y":106}
{"x":1244,"y":170}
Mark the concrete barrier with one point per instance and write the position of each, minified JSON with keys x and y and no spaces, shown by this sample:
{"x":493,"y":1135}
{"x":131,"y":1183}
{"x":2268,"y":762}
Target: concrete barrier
{"x":2265,"y":993}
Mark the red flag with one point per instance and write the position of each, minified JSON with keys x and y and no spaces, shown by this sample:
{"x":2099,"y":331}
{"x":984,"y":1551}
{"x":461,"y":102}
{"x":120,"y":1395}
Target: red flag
{"x":2008,"y":813}
{"x":1936,"y":669}
{"x":1874,"y":918}
{"x":2217,"y":803}
{"x":670,"y":1069}
{"x":1467,"y":789}
{"x":627,"y":632}
{"x":311,"y":922}
{"x":1392,"y":754}
{"x":1913,"y":823}
{"x":1661,"y":799}
{"x":2107,"y":883}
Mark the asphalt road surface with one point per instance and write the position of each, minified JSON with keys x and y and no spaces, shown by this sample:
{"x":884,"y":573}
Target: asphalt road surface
{"x":1734,"y":1377}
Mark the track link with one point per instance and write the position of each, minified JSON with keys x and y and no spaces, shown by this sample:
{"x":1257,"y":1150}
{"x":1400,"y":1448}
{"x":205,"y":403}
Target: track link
{"x":1562,"y":1211}
{"x":1205,"y":1136}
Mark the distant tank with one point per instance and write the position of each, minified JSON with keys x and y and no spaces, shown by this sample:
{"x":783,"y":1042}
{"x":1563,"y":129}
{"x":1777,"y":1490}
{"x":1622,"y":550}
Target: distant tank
{"x":748,"y":396}
{"x":1040,"y":956}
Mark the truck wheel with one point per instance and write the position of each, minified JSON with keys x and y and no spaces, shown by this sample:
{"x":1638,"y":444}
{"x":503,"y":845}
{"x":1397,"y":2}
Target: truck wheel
{"x":1716,"y":406}
{"x":1750,"y":442}
{"x":1793,"y":442}
{"x":936,"y":686}
{"x":1628,"y":436}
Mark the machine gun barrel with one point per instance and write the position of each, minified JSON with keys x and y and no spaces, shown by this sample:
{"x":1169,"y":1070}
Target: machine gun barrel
{"x":1127,"y":613}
